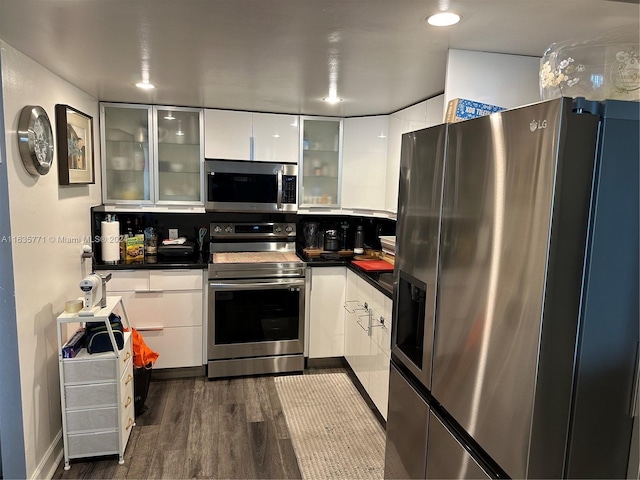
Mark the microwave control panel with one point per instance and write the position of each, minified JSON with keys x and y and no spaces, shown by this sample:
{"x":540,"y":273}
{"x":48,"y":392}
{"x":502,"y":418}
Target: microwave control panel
{"x":289,"y":188}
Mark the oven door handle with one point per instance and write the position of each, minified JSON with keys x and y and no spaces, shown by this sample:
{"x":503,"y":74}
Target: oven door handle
{"x":258,"y":285}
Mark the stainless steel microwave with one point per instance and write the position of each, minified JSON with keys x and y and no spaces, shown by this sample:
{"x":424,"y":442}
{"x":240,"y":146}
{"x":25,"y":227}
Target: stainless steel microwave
{"x":251,"y":186}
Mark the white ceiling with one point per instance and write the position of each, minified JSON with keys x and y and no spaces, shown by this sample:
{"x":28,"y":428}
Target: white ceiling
{"x":280,"y":55}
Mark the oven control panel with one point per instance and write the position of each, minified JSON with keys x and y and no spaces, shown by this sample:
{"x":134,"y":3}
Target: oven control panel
{"x":252,"y":230}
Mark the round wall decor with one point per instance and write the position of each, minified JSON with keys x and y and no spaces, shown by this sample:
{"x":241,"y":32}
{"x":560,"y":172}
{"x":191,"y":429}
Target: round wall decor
{"x":35,"y":139}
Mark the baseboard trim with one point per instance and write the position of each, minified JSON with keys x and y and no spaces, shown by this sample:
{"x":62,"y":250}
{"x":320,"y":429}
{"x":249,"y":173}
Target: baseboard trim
{"x":363,"y":392}
{"x":328,"y":362}
{"x":180,"y":372}
{"x":52,"y":458}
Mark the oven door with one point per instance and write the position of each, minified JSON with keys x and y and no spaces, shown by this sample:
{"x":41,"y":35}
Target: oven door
{"x":255,"y":318}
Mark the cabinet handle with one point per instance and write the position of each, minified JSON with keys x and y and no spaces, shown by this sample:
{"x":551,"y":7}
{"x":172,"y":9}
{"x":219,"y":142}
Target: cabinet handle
{"x":148,"y":291}
{"x":127,"y":357}
{"x":129,"y":425}
{"x":128,"y":402}
{"x":362,"y":326}
{"x":149,"y":329}
{"x":348,"y":305}
{"x":128,"y":380}
{"x":366,"y":329}
{"x":380,"y":323}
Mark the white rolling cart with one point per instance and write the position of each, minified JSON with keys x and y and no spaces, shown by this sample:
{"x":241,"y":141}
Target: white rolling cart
{"x":96,"y":391}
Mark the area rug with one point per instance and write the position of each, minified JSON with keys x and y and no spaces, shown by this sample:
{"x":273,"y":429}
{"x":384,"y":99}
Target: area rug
{"x":334,"y":434}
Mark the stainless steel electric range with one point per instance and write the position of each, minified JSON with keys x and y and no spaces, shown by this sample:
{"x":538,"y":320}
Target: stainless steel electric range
{"x":256,"y":300}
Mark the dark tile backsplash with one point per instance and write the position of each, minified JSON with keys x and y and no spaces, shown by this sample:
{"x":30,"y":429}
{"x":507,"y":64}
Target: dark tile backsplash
{"x":188,"y":225}
{"x":372,"y":227}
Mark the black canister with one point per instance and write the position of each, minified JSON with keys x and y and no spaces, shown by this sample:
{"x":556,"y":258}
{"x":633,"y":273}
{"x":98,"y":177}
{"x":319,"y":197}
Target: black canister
{"x":358,"y":247}
{"x":331,"y":241}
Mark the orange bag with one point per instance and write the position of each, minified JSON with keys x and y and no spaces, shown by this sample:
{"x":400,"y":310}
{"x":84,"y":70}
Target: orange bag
{"x":142,"y":354}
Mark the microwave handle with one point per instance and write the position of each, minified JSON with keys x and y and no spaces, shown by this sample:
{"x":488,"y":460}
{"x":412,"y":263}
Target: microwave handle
{"x":279,"y":196}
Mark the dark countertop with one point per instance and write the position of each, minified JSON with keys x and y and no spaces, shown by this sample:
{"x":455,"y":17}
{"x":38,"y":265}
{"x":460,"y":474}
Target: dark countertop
{"x":380,"y":280}
{"x":159,"y":262}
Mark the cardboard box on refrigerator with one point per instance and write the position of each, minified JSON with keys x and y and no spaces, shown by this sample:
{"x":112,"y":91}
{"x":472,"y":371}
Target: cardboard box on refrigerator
{"x":462,"y":109}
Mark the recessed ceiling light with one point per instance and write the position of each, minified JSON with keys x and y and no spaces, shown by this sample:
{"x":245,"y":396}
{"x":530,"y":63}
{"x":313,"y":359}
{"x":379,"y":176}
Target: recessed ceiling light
{"x":145,"y":85}
{"x":443,"y":19}
{"x":169,"y":116}
{"x":332,"y":100}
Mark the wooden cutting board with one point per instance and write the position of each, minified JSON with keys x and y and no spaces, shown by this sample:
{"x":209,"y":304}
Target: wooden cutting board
{"x":373,"y":265}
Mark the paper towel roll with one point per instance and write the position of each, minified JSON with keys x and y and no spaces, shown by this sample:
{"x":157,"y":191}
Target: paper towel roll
{"x":110,"y":241}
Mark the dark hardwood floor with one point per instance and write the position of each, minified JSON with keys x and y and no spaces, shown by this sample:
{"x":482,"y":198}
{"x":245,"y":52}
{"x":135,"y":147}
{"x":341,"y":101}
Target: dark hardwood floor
{"x":195,"y":428}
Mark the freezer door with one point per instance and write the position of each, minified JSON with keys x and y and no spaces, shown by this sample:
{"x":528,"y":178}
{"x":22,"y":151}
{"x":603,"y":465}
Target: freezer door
{"x":496,"y":229}
{"x":446,"y":458}
{"x":407,"y":423}
{"x":417,"y":241}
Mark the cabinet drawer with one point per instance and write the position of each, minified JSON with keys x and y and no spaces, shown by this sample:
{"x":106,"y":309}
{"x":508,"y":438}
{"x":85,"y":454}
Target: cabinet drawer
{"x":92,"y":395}
{"x":91,"y":420}
{"x":127,"y":420}
{"x":178,"y":347}
{"x":96,"y":368}
{"x":175,"y":280}
{"x":91,"y":444}
{"x":163,"y":309}
{"x":126,"y":386}
{"x":123,"y":280}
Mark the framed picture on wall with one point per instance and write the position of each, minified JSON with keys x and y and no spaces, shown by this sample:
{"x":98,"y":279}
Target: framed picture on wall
{"x":74,"y":134}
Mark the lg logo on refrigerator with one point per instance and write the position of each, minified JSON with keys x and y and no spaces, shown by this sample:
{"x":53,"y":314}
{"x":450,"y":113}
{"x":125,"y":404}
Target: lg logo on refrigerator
{"x":537,"y":125}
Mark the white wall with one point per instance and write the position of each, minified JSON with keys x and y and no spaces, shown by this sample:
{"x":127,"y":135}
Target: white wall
{"x":46,"y":273}
{"x":497,"y":79}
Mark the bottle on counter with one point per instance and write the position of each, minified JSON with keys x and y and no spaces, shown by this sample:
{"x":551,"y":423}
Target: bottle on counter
{"x":358,"y":247}
{"x":150,"y":241}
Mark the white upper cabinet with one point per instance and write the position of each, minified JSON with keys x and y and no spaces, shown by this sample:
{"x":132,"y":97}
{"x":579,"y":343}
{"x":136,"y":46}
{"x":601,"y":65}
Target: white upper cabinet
{"x":364,"y":158}
{"x":435,"y":111}
{"x":393,"y":162}
{"x":266,"y":137}
{"x":422,"y":115}
{"x":227,"y":134}
{"x":276,"y":137}
{"x":407,"y":120}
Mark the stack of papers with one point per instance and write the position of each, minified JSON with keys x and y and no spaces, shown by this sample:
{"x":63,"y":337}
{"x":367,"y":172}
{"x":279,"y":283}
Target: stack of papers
{"x":388,"y":244}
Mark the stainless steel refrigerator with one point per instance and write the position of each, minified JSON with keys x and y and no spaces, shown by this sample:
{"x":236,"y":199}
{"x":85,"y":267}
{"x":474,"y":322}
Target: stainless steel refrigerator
{"x":516,"y":321}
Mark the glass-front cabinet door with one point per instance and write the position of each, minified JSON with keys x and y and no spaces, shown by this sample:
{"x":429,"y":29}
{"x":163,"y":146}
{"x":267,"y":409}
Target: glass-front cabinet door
{"x":152,"y":155}
{"x":321,"y":161}
{"x":180,"y":155}
{"x":127,"y":164}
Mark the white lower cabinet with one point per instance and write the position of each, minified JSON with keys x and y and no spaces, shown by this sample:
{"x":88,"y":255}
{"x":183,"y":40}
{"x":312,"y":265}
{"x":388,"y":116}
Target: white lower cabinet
{"x":367,"y":346}
{"x":166,"y":307}
{"x":326,"y":313}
